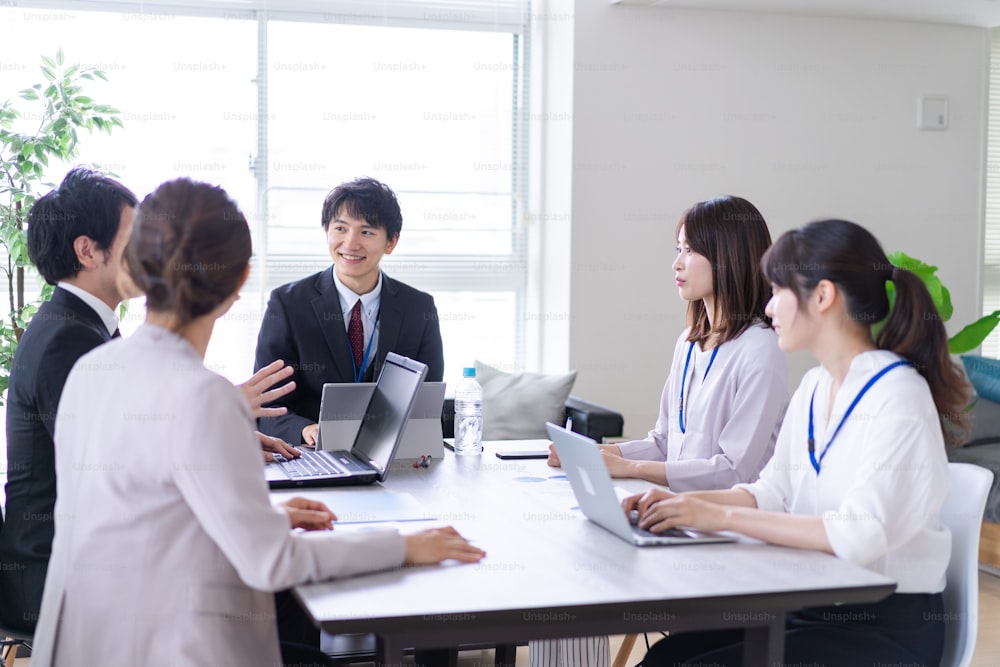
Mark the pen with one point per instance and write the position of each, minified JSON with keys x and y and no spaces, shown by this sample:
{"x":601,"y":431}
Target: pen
{"x":569,"y":423}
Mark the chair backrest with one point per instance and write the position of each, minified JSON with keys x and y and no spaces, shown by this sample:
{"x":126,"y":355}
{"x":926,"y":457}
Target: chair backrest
{"x":963,"y":514}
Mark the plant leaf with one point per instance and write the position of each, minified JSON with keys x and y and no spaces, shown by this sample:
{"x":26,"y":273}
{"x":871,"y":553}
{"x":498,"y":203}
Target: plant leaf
{"x":928,"y":274}
{"x":973,"y":335}
{"x":945,"y":308}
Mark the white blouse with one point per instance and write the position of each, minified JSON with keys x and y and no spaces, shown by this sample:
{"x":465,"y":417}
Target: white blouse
{"x":883,"y":479}
{"x":165,"y":540}
{"x":731,"y":416}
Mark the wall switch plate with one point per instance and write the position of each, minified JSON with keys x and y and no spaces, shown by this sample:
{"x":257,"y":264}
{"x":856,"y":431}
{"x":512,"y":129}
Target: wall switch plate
{"x":932,"y":112}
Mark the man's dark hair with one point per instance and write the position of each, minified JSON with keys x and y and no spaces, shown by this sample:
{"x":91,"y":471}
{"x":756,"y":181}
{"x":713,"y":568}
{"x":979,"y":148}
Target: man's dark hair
{"x":367,"y":199}
{"x":87,"y":203}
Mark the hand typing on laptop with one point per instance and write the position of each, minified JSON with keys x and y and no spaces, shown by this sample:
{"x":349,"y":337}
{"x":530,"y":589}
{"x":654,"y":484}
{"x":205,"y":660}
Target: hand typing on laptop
{"x":276,"y":449}
{"x":658,"y":510}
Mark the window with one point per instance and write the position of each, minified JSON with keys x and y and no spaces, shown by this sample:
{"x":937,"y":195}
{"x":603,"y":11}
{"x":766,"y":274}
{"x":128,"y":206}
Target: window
{"x":991,"y":246}
{"x":278,"y":110}
{"x":278,"y":103}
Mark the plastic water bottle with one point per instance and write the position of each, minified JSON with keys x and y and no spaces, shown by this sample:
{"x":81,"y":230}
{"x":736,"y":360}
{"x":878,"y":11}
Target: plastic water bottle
{"x":468,"y":414}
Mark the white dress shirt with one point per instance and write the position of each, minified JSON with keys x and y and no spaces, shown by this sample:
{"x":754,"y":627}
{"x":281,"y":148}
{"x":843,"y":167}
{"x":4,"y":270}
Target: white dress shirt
{"x":731,"y":416}
{"x":105,"y":312}
{"x":882,"y":482}
{"x":166,"y":542}
{"x":370,"y":304}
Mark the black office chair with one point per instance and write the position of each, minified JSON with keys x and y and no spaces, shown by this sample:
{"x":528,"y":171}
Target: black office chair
{"x":10,"y":640}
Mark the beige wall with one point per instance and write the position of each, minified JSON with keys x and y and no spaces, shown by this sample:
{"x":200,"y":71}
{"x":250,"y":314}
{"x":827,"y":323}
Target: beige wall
{"x":806,"y":117}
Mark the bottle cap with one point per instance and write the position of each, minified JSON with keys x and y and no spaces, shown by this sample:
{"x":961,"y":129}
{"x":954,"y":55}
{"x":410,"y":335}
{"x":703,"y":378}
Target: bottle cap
{"x":468,"y":372}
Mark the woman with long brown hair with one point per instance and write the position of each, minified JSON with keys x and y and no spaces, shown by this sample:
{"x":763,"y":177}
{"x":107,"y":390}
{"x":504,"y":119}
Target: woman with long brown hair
{"x":728,"y":384}
{"x":859,"y":470}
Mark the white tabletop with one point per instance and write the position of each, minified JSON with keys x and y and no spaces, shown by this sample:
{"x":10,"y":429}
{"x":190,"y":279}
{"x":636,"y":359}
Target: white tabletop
{"x":551,"y":572}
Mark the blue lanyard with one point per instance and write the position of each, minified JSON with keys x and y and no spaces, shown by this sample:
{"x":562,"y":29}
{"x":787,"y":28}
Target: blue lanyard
{"x":364,"y":359}
{"x":687,"y":362}
{"x":812,"y":442}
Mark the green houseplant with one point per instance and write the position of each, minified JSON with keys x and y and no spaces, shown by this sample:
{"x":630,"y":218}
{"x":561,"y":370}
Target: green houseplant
{"x":59,"y":112}
{"x":972,"y":335}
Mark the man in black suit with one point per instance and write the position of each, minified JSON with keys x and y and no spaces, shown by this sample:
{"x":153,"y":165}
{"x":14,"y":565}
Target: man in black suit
{"x":308,"y":323}
{"x":76,"y":236}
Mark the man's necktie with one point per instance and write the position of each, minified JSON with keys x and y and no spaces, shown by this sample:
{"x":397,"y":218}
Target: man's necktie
{"x":356,"y":334}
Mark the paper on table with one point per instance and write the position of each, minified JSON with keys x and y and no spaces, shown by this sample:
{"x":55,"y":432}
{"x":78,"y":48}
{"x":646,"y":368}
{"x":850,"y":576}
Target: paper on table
{"x":365,"y":505}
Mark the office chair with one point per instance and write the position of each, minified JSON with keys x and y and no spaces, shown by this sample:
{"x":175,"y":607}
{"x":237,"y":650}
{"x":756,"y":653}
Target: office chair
{"x":963,"y":514}
{"x":9,"y":641}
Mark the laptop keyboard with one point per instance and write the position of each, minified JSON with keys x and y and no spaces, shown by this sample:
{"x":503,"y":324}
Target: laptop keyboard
{"x":672,"y":532}
{"x":311,"y":464}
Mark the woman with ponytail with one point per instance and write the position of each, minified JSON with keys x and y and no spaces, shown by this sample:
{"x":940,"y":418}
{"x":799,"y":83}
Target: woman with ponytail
{"x":859,"y":470}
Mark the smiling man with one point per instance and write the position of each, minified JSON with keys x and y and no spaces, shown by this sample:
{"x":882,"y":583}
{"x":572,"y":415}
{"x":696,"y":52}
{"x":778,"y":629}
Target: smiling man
{"x":338,"y":325}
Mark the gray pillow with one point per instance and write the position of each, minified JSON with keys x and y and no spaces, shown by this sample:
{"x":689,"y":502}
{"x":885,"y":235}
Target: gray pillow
{"x":517,"y":405}
{"x":984,"y":420}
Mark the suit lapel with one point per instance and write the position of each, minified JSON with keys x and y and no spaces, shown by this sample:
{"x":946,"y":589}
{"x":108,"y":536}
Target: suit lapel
{"x":390,"y":321}
{"x":330,"y":317}
{"x":84,"y":313}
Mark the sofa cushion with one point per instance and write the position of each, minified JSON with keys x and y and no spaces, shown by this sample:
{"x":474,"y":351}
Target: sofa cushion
{"x":517,"y":405}
{"x":984,"y":374}
{"x":984,"y":422}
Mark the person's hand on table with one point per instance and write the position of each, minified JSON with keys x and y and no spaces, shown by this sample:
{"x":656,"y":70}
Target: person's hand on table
{"x":310,"y":434}
{"x":618,"y":466}
{"x":308,"y":514}
{"x":660,"y":510}
{"x":437,"y":544}
{"x":554,"y":461}
{"x":258,"y":390}
{"x":272,"y":446}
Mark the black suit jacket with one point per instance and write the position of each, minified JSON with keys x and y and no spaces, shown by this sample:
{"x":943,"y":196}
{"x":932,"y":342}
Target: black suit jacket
{"x":63,"y":330}
{"x":304,"y":326}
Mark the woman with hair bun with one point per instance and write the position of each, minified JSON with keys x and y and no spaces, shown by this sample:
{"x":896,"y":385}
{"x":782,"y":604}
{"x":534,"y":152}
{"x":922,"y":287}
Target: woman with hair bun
{"x":165,"y":547}
{"x":859,"y":470}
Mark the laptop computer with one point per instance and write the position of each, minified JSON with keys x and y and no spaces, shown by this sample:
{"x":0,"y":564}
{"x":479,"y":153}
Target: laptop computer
{"x":376,"y":441}
{"x":595,"y":492}
{"x":342,"y":409}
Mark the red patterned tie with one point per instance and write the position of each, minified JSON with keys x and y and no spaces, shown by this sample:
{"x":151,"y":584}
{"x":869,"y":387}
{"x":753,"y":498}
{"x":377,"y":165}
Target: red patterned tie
{"x":356,"y":334}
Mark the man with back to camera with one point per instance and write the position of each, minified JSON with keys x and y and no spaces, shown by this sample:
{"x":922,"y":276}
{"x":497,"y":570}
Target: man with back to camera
{"x":311,"y":323}
{"x":76,"y":235}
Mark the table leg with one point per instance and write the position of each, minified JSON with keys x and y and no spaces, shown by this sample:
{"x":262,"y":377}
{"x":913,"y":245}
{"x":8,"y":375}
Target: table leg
{"x":506,"y":655}
{"x":387,"y":652}
{"x":764,"y":645}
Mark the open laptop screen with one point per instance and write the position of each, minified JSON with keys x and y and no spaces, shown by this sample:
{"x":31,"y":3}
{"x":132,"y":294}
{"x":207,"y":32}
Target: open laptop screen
{"x":390,"y":406}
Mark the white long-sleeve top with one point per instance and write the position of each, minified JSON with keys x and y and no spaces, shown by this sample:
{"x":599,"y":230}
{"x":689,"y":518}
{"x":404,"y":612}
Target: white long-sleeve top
{"x":165,"y":539}
{"x":883,"y":480}
{"x":731,"y":416}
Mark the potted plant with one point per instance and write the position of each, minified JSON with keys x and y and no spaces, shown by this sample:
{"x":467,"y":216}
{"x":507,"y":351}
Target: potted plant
{"x":64,"y":111}
{"x":971,"y":336}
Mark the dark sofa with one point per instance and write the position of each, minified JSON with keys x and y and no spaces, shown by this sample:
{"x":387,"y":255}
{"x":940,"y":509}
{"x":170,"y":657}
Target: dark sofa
{"x":590,"y":419}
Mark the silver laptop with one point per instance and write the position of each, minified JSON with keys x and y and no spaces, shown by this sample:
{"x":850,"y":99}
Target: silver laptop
{"x":376,"y":440}
{"x":342,"y":409}
{"x":595,"y":492}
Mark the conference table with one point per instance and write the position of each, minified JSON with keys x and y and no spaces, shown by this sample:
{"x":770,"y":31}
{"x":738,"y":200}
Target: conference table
{"x":549,"y":572}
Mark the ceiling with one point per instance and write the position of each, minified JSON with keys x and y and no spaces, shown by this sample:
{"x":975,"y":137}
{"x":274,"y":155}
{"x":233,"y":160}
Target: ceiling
{"x":983,"y":13}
